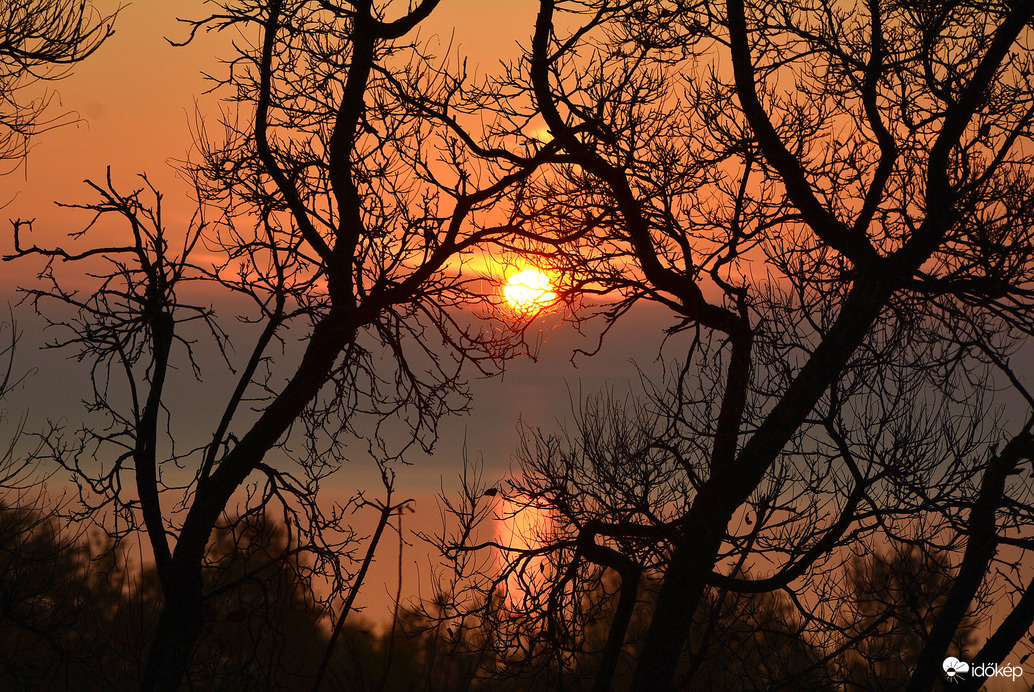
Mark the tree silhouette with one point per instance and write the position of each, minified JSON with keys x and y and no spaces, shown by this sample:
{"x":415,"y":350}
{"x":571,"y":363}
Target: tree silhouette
{"x":341,"y":201}
{"x":833,"y":203}
{"x":40,"y":40}
{"x":894,"y":598}
{"x":38,"y":606}
{"x":71,"y":611}
{"x":262,"y":622}
{"x":75,"y":611}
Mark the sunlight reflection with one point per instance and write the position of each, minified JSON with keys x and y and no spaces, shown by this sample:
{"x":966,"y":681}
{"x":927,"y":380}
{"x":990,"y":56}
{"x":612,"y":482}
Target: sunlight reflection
{"x":523,"y":528}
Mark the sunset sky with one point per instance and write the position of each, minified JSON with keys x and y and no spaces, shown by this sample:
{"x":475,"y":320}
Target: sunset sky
{"x":138,"y":99}
{"x":809,"y":453}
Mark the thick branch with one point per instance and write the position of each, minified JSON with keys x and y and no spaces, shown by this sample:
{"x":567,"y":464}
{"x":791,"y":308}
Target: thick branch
{"x":848,"y":241}
{"x":290,"y":193}
{"x":694,"y":305}
{"x":981,"y":546}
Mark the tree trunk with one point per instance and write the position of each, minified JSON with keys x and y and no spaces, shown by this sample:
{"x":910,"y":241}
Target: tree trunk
{"x":179,"y":627}
{"x":981,"y":547}
{"x":684,"y":584}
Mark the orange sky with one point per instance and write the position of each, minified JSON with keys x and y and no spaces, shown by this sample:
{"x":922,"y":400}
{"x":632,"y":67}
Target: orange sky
{"x":136,"y":100}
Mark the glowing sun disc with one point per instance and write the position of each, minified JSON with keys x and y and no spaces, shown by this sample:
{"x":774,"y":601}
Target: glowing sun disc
{"x":529,"y":290}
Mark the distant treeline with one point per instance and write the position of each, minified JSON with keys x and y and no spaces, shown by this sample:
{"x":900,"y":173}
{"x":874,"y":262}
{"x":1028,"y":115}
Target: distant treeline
{"x":77,"y":613}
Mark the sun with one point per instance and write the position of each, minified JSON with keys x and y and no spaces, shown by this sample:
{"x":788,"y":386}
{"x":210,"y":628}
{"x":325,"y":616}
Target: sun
{"x":529,"y":290}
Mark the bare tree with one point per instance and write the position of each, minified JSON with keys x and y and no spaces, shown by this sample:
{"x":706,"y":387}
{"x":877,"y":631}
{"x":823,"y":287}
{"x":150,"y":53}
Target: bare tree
{"x":833,"y":202}
{"x":342,"y":198}
{"x":41,"y":40}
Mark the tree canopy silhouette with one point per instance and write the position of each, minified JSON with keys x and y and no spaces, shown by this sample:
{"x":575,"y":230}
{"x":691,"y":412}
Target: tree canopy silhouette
{"x":344,"y":210}
{"x":833,"y":202}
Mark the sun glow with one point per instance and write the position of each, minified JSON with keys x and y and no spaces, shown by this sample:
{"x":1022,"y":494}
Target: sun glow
{"x":523,"y":528}
{"x":529,"y":290}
